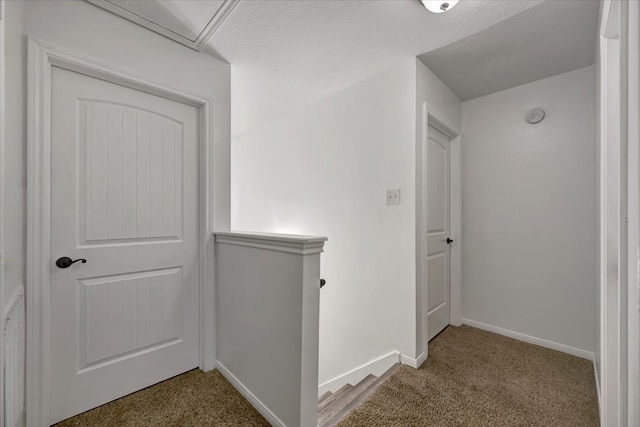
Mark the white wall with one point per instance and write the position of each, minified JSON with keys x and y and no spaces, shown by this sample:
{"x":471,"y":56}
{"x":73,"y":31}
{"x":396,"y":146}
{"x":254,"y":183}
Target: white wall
{"x":85,"y":28}
{"x":438,"y":99}
{"x":597,"y":358}
{"x":324,"y":170}
{"x":12,"y":204}
{"x":14,"y":167}
{"x":268,"y":293}
{"x":529,"y":210}
{"x":633,"y":404}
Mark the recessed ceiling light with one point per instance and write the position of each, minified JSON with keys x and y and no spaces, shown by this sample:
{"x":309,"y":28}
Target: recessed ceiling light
{"x":439,"y":6}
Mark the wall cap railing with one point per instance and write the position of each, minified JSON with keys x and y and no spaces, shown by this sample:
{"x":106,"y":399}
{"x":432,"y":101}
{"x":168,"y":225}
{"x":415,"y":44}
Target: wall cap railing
{"x":289,"y":243}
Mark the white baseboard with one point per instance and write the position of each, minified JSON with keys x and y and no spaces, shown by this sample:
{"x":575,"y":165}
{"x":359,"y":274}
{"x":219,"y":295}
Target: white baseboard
{"x":584,"y":354}
{"x":376,"y":367}
{"x":266,"y":412}
{"x":595,"y":373}
{"x":414,"y":363}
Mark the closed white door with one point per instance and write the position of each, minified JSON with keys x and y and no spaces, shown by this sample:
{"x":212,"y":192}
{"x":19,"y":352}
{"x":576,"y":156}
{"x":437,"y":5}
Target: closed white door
{"x":438,"y":239}
{"x":123,"y":197}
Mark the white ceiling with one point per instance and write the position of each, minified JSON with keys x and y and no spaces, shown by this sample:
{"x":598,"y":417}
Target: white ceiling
{"x":187,"y":18}
{"x":290,"y":53}
{"x":549,"y":39}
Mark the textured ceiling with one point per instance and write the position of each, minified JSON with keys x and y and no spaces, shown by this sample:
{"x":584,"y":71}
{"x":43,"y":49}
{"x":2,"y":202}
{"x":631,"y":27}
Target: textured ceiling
{"x":549,"y":39}
{"x":287,"y":54}
{"x":288,"y":34}
{"x":185,"y":17}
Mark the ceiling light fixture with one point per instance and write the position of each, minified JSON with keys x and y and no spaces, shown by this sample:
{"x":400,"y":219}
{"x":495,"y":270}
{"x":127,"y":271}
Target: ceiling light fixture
{"x":439,"y":6}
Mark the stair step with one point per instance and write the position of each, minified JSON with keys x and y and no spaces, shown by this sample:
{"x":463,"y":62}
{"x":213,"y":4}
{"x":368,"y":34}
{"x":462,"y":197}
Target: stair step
{"x":324,"y":421}
{"x":387,"y":374}
{"x":324,"y":396}
{"x":336,"y":407}
{"x":335,"y":396}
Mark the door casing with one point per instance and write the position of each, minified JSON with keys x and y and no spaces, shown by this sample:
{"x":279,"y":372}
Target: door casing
{"x":2,"y":169}
{"x":42,"y":57}
{"x":430,"y":117}
{"x":612,"y":251}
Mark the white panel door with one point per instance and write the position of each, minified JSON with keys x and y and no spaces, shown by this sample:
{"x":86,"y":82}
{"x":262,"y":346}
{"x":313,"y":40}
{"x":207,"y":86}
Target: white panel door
{"x":438,"y":220}
{"x":123,"y":197}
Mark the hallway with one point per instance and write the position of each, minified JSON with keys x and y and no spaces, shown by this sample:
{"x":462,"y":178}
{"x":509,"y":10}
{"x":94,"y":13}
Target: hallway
{"x":478,"y":378}
{"x":471,"y":378}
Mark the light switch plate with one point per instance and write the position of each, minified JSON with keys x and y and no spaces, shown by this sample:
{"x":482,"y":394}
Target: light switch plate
{"x":393,"y":197}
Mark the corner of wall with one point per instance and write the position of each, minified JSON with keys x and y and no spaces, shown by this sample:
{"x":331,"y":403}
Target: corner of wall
{"x":521,"y":196}
{"x":435,"y":97}
{"x":375,"y":367}
{"x":14,"y":359}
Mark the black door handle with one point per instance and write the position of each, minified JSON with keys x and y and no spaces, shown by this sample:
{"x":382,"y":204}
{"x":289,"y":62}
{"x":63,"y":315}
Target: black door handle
{"x":322,"y":282}
{"x":65,"y":261}
{"x":449,"y":240}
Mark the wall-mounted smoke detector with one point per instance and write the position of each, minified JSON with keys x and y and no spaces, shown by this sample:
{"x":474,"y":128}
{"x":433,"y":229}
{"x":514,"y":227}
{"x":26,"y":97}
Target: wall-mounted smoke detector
{"x":439,"y":6}
{"x":535,"y":116}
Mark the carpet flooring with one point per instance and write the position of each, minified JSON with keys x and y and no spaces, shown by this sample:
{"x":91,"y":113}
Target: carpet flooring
{"x":193,"y":399}
{"x":477,"y":378}
{"x":472,"y":378}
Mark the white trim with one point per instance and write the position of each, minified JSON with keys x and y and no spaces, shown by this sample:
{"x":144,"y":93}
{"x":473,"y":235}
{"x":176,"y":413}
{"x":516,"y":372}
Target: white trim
{"x":410,"y":361}
{"x":20,"y":421}
{"x":214,"y":24}
{"x":633,"y":329}
{"x":299,"y":245}
{"x":2,"y":199}
{"x":455,"y":200}
{"x":431,"y":117}
{"x":375,"y":367}
{"x":42,"y":57}
{"x":255,"y":402}
{"x":13,"y":301}
{"x":597,"y":379}
{"x":198,"y":44}
{"x":584,"y":354}
{"x":613,"y":246}
{"x":609,"y":25}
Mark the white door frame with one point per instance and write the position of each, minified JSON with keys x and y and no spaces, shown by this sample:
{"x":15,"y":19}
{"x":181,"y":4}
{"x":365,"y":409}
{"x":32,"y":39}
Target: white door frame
{"x":633,"y":136}
{"x":2,"y":191}
{"x":431,"y":117}
{"x":613,"y":260}
{"x":42,"y":57}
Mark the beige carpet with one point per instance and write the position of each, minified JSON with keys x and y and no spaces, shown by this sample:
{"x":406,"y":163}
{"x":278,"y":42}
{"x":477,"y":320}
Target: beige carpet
{"x":476,"y":378}
{"x":472,"y":378}
{"x":192,"y":399}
